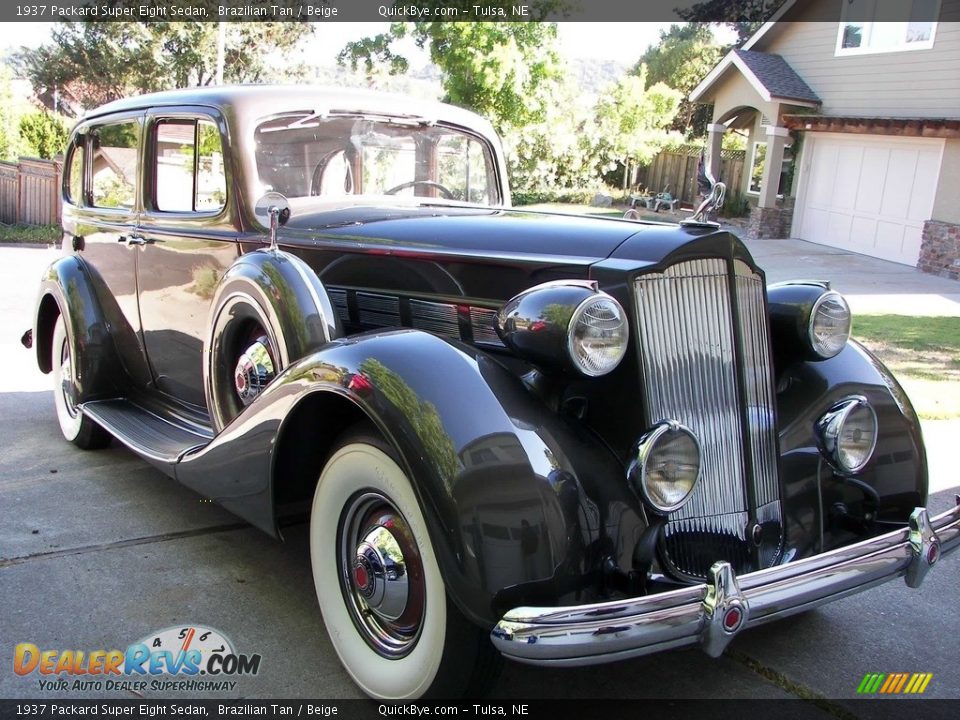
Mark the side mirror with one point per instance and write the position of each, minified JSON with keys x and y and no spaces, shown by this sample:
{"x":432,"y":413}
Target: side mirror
{"x":272,"y":210}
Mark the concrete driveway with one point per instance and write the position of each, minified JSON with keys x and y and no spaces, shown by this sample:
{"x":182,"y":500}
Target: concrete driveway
{"x":98,"y":549}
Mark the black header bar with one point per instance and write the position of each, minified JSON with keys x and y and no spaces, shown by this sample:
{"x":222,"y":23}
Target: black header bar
{"x":372,"y":10}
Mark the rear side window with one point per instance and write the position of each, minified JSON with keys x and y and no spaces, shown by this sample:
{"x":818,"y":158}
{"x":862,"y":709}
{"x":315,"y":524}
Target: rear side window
{"x":188,"y":167}
{"x":114,"y":165}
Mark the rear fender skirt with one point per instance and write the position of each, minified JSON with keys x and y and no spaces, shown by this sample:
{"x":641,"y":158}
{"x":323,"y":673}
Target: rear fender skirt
{"x":68,"y":289}
{"x":510,"y":492}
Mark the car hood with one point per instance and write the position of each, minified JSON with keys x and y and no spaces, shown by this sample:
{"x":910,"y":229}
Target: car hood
{"x":491,"y":232}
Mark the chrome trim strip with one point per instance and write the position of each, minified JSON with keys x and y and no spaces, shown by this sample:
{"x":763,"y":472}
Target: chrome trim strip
{"x":758,"y":389}
{"x":604,"y":632}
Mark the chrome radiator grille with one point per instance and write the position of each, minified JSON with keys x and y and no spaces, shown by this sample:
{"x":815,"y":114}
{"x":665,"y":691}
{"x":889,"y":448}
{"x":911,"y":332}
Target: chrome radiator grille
{"x":705,"y":362}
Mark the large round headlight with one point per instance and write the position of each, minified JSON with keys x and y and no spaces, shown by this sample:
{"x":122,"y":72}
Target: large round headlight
{"x":597,"y":335}
{"x":829,"y":325}
{"x":667,"y":466}
{"x":848,"y":433}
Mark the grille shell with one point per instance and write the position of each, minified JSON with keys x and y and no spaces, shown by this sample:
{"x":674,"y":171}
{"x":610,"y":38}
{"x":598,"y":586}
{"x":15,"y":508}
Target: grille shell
{"x":705,"y":361}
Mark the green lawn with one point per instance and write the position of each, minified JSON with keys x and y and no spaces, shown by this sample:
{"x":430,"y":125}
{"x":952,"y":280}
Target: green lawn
{"x":923,"y":353}
{"x":31,"y":234}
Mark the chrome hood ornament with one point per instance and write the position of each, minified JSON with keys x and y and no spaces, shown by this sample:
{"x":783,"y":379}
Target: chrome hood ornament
{"x":714,"y":193}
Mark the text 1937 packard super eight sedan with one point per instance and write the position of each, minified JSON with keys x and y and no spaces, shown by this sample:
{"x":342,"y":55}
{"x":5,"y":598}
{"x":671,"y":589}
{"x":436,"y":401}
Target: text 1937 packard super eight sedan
{"x":558,"y":439}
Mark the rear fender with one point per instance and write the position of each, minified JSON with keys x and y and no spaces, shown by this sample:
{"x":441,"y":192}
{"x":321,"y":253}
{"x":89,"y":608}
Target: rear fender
{"x":67,"y":289}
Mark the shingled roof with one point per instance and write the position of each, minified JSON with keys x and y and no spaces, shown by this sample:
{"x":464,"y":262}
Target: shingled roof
{"x":776,"y":75}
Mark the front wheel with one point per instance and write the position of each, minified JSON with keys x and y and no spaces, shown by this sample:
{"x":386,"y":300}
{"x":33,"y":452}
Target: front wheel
{"x":75,"y":426}
{"x":380,"y":589}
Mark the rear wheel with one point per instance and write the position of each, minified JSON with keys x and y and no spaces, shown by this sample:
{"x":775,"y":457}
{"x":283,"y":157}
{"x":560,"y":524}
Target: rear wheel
{"x":380,"y":589}
{"x":75,"y":426}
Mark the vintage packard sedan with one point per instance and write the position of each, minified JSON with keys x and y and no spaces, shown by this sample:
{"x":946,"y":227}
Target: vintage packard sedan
{"x":558,"y":439}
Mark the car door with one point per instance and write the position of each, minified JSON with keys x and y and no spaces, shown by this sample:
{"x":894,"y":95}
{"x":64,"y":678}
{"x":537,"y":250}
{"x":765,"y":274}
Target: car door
{"x":101,"y":213}
{"x":190,"y":239}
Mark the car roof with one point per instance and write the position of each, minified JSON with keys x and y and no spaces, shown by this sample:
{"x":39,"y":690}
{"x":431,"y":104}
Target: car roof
{"x":270,"y":99}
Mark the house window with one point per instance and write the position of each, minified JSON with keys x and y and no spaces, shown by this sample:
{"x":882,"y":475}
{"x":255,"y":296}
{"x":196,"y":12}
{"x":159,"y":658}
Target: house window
{"x":877,"y":26}
{"x":758,"y":158}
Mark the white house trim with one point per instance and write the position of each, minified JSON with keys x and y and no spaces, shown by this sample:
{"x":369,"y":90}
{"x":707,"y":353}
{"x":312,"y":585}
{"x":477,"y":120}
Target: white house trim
{"x":734,"y":59}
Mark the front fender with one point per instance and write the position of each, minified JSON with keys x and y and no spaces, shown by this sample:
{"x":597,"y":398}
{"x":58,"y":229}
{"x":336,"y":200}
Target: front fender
{"x":824,"y":509}
{"x":67,"y":288}
{"x":511,"y":492}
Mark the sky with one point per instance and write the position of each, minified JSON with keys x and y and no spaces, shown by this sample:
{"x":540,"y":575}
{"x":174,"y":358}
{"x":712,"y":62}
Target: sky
{"x":621,"y":42}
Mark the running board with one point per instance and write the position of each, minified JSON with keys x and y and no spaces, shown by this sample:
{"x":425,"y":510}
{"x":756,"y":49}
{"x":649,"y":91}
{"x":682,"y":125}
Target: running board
{"x":146,"y":434}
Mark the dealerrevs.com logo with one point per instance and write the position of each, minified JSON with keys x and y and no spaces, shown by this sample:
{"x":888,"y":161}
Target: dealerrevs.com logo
{"x":190,"y":659}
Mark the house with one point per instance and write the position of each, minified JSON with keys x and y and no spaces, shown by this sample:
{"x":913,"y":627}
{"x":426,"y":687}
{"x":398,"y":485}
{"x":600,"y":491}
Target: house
{"x":852,"y":114}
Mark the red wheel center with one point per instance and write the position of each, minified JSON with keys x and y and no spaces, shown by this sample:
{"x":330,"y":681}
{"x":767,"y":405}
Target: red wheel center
{"x":241,"y":382}
{"x":732,"y":619}
{"x":360,"y":576}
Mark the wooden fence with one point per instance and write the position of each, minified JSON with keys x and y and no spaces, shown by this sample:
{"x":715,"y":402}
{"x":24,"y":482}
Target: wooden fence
{"x":678,"y":169}
{"x":30,"y":191}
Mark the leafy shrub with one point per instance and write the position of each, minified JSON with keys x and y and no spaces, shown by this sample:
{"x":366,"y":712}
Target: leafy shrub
{"x":735,"y":205}
{"x":43,"y":134}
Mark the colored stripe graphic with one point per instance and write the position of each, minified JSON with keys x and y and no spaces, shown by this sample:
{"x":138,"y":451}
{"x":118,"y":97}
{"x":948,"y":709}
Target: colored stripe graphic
{"x":894,"y":683}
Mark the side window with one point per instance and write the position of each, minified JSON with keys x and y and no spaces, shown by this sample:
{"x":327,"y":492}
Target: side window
{"x":75,"y":172}
{"x":188,"y":171}
{"x":463,"y":168}
{"x":114,"y":166}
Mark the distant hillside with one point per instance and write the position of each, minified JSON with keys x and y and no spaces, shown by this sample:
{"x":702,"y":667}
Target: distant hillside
{"x":592,"y":75}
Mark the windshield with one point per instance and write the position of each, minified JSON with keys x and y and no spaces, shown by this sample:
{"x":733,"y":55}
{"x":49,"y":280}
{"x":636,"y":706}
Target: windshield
{"x":303,"y":155}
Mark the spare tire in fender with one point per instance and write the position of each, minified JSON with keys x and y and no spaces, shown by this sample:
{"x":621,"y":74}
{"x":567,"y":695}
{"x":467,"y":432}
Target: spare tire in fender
{"x":269,"y":309}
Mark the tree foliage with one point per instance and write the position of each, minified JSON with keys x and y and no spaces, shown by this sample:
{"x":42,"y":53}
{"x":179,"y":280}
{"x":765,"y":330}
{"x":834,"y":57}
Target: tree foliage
{"x":93,"y":63}
{"x":683,"y":57}
{"x":9,"y":132}
{"x":744,"y":16}
{"x":633,"y":119}
{"x":43,"y":134}
{"x":500,"y":70}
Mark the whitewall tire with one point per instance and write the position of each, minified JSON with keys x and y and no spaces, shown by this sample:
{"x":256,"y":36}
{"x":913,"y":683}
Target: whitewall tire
{"x":75,"y":426}
{"x":379,"y":585}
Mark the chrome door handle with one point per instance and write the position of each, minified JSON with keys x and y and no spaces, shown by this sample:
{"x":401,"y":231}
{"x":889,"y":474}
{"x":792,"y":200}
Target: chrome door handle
{"x":134,"y":240}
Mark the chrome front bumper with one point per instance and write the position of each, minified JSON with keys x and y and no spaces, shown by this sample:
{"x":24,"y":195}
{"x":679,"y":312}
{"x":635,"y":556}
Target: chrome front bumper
{"x":711,"y":614}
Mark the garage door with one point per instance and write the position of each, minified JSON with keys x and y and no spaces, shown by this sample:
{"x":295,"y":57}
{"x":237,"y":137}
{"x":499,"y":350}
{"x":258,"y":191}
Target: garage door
{"x":868,"y":195}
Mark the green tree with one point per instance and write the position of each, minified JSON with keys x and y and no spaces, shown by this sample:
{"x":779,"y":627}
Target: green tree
{"x":557,"y":152}
{"x":744,"y":16}
{"x":502,"y":70}
{"x":684,"y":56}
{"x":98,"y":62}
{"x":9,"y":132}
{"x":43,"y":134}
{"x":633,"y":120}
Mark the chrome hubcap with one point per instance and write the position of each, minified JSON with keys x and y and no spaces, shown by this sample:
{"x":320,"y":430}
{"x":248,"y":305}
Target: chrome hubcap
{"x":254,"y":371}
{"x":381,"y":575}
